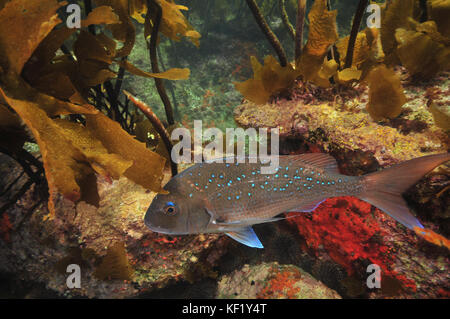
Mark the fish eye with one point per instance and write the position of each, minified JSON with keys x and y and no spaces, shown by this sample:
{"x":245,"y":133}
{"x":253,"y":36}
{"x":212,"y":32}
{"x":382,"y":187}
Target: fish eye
{"x":170,"y":209}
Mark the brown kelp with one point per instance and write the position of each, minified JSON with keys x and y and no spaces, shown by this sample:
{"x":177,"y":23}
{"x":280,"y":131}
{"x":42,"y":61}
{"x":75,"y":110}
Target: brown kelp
{"x":411,"y":35}
{"x":56,"y":92}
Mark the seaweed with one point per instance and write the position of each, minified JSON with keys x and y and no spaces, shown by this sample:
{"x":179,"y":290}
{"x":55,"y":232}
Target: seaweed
{"x":114,"y":264}
{"x":322,"y":34}
{"x":441,"y":115}
{"x":423,"y":51}
{"x":58,"y":96}
{"x":439,"y":11}
{"x":327,"y":60}
{"x":268,"y":79}
{"x":396,"y":14}
{"x":274,"y":78}
{"x":386,"y":95}
{"x":271,"y":37}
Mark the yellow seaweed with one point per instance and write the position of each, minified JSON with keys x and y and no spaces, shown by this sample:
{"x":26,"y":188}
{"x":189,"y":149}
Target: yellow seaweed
{"x":268,"y":79}
{"x":123,"y":31}
{"x":171,"y":74}
{"x":423,"y":52}
{"x":439,"y":11}
{"x":147,"y":166}
{"x":322,"y":34}
{"x":33,"y":20}
{"x":114,"y":264}
{"x":396,"y":15}
{"x":441,"y":115}
{"x":101,"y":15}
{"x":386,"y":95}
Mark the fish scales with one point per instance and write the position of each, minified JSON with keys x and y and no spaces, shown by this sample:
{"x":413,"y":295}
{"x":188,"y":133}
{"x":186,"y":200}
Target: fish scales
{"x":240,"y":192}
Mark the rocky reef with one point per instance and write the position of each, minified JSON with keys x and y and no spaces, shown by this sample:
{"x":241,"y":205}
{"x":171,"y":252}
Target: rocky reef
{"x":272,"y":280}
{"x":350,"y":232}
{"x":117,"y":254}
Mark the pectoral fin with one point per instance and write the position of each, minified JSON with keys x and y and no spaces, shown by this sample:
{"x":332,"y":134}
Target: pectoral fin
{"x":246,"y":236}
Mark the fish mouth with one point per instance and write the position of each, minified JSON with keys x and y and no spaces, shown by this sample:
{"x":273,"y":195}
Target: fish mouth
{"x":154,"y":228}
{"x":157,"y":229}
{"x":161,"y":230}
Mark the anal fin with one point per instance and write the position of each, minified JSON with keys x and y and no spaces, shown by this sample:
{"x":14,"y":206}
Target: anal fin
{"x":246,"y":236}
{"x":308,"y":207}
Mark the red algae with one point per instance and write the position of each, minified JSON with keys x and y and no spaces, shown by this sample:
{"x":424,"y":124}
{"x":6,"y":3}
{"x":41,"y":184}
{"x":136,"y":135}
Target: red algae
{"x":346,"y":228}
{"x":281,"y":285}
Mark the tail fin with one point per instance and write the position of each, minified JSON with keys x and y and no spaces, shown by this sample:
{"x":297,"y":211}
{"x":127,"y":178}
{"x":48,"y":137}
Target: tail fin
{"x":384,"y":188}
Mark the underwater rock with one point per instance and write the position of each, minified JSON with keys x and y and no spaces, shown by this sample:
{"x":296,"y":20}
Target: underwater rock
{"x":118,"y":256}
{"x":271,"y":280}
{"x":348,"y":234}
{"x":349,"y":128}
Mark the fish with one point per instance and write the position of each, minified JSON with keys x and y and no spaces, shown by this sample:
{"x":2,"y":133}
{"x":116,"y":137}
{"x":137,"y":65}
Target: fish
{"x":232,"y":197}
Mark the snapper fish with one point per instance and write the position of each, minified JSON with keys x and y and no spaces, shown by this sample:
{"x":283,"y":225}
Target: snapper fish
{"x":231,"y":197}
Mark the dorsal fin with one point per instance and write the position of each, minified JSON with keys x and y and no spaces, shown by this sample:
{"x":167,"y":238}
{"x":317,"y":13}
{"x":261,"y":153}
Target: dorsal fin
{"x":322,"y":160}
